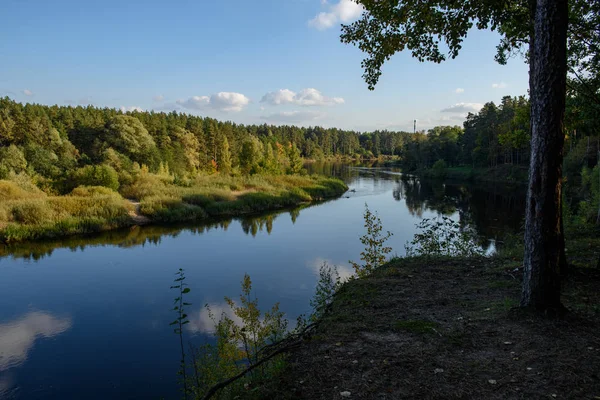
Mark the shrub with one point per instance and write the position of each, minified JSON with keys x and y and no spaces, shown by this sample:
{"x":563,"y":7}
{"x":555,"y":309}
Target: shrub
{"x":439,"y":169}
{"x":31,"y":212}
{"x":145,"y":185}
{"x":374,"y":254}
{"x":91,"y":191}
{"x":443,"y":237}
{"x":10,"y":190}
{"x":96,"y":175}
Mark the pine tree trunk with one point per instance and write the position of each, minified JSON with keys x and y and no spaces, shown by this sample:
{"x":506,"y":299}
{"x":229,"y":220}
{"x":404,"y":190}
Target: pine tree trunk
{"x":544,"y":241}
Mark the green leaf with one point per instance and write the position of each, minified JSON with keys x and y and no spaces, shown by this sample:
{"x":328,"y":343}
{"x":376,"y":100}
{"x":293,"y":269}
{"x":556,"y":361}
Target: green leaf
{"x":186,"y":290}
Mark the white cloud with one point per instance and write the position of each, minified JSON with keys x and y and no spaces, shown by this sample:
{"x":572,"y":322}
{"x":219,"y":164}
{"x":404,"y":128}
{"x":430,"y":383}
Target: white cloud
{"x":306,"y":97}
{"x":282,"y":96}
{"x":344,"y":271}
{"x":463,"y":108}
{"x":500,"y":85}
{"x":131,"y":108}
{"x":228,"y":101}
{"x":201,"y":321}
{"x":195,"y":102}
{"x":18,"y":337}
{"x":323,"y":21}
{"x":460,"y":90}
{"x":158,"y":98}
{"x":222,"y":101}
{"x":343,"y":11}
{"x":294,"y":116}
{"x":27,"y":92}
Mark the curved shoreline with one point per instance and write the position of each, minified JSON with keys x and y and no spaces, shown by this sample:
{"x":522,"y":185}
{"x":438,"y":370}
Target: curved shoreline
{"x":191,"y":208}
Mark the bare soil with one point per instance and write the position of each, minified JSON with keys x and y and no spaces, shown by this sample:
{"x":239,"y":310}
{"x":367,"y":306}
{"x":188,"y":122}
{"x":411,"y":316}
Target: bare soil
{"x":449,"y":329}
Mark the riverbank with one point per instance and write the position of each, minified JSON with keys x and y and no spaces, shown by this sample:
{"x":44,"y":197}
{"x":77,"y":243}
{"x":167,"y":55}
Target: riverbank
{"x":27,"y":213}
{"x":505,"y":173}
{"x":447,"y":328}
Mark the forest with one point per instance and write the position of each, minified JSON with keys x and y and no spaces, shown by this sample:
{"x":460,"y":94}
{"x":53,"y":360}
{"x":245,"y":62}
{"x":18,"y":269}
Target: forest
{"x":73,"y":167}
{"x":182,"y":167}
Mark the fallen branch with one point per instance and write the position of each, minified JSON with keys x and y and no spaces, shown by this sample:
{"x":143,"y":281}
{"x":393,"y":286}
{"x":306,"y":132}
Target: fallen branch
{"x":284,"y":346}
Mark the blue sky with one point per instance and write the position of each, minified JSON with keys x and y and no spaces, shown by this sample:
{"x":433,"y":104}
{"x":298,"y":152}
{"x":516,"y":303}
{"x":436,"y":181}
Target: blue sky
{"x":273,"y":61}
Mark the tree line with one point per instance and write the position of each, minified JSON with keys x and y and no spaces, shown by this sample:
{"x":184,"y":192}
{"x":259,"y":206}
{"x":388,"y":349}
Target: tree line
{"x":59,"y":145}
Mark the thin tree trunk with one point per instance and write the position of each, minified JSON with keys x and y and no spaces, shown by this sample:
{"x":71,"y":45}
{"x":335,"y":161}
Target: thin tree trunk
{"x":544,"y":241}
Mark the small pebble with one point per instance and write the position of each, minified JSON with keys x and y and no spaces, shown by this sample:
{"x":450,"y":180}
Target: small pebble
{"x":438,"y":370}
{"x":355,"y":362}
{"x":529,"y":368}
{"x":492,"y":381}
{"x":345,"y":394}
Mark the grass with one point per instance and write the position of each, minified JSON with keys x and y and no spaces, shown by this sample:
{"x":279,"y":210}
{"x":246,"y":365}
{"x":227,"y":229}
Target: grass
{"x":416,"y":326}
{"x":214,"y":196}
{"x":27,"y":213}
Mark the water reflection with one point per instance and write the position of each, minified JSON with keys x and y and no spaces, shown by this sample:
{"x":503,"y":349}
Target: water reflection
{"x":118,"y":286}
{"x":201,"y":321}
{"x":18,"y":337}
{"x":344,"y":271}
{"x":151,"y":235}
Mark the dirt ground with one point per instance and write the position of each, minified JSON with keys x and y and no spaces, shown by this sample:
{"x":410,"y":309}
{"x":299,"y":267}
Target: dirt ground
{"x":449,"y":329}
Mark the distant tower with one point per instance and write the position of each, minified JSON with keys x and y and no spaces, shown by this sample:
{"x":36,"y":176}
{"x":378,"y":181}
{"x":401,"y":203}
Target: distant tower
{"x":415,"y":127}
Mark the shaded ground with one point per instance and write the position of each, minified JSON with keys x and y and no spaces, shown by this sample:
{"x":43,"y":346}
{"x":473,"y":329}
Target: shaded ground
{"x":419,"y":329}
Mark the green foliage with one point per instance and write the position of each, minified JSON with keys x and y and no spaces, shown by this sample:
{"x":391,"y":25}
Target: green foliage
{"x":129,"y":136}
{"x":224,"y":157}
{"x":31,"y":212}
{"x":181,"y":320}
{"x":328,"y":284}
{"x":26,"y":213}
{"x":443,"y":237}
{"x":96,"y":175}
{"x":240,"y":336}
{"x":296,"y":164}
{"x":439,"y":169}
{"x":250,"y":155}
{"x":374,"y":254}
{"x":11,"y":159}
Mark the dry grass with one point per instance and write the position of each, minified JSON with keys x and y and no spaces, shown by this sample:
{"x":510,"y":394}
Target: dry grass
{"x":31,"y":214}
{"x":27,"y":213}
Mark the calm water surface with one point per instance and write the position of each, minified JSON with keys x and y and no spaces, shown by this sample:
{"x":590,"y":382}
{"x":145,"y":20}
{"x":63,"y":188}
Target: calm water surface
{"x":89,"y":317}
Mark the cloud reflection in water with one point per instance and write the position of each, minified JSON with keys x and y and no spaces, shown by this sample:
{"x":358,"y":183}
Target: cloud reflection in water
{"x":18,"y":337}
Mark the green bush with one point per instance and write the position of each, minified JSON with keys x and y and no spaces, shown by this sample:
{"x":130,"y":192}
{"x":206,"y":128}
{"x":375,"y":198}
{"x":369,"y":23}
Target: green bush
{"x":31,"y":212}
{"x":91,"y":191}
{"x":96,"y":175}
{"x":439,"y":169}
{"x":438,"y":237}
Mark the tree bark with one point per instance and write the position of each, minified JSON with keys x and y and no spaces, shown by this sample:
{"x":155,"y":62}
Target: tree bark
{"x":544,"y":241}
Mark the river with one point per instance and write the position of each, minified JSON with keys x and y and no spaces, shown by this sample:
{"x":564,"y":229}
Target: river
{"x":88,"y":317}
